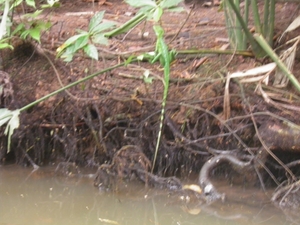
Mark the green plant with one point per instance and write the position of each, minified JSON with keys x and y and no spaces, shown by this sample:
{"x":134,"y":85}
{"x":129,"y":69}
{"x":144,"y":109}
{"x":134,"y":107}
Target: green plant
{"x":95,"y":35}
{"x":149,"y":9}
{"x":237,"y":24}
{"x":153,"y":10}
{"x":86,"y":40}
{"x":29,"y":26}
{"x":5,"y":24}
{"x":261,"y":42}
{"x":11,"y":117}
{"x":165,"y":57}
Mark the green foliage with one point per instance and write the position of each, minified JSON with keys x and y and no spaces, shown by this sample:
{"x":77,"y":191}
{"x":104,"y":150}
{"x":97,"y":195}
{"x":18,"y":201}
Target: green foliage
{"x":237,"y":24}
{"x":50,"y":4}
{"x":149,"y":9}
{"x":13,"y":121}
{"x":15,"y":3}
{"x":86,"y":40}
{"x":31,"y":26}
{"x":165,"y":59}
{"x":154,"y":10}
{"x":4,"y":44}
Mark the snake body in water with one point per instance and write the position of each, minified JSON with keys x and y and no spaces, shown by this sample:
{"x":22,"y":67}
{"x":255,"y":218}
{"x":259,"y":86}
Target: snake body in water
{"x":210,"y":192}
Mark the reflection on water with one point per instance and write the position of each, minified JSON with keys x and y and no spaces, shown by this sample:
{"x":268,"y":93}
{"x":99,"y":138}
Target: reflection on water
{"x":42,"y":198}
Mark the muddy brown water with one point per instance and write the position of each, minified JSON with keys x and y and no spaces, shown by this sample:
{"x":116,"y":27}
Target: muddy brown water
{"x":40,"y":197}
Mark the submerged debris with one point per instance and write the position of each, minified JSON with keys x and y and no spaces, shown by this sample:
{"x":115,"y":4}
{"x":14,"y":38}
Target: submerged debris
{"x":130,"y":162}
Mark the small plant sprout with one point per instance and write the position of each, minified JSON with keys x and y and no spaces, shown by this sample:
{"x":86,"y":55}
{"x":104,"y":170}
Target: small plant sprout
{"x":86,"y":40}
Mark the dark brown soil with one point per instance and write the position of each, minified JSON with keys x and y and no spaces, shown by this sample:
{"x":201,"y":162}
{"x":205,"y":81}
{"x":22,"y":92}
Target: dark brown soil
{"x":92,"y":121}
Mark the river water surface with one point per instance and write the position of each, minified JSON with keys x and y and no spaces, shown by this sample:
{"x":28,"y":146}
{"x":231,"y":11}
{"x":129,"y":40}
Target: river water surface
{"x":40,"y":197}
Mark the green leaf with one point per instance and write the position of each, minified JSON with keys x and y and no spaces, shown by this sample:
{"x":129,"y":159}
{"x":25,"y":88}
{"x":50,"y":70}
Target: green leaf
{"x":13,"y":123}
{"x":6,"y":45}
{"x":5,"y":115}
{"x":52,"y":3}
{"x":96,"y":19}
{"x":146,"y":10}
{"x":20,"y":27}
{"x":35,"y":33}
{"x":30,"y":3}
{"x":157,"y":14}
{"x":141,"y":3}
{"x":101,"y":27}
{"x":165,"y":4}
{"x":68,"y":53}
{"x":72,"y":39}
{"x":24,"y":34}
{"x":100,"y":39}
{"x":91,"y":51}
{"x":81,"y":42}
{"x":69,"y":42}
{"x":15,"y":4}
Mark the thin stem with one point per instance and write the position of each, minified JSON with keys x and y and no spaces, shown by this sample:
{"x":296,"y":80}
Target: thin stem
{"x":70,"y":85}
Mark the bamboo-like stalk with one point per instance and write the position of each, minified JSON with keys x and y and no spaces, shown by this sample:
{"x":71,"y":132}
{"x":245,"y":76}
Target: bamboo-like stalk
{"x":229,"y":20}
{"x":127,"y":26}
{"x":266,"y":18}
{"x":264,"y":44}
{"x":256,"y":48}
{"x":257,"y":22}
{"x":238,"y":29}
{"x":246,"y":18}
{"x":271,"y":22}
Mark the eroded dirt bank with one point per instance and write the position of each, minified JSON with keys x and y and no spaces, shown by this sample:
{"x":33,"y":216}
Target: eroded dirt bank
{"x":92,"y":123}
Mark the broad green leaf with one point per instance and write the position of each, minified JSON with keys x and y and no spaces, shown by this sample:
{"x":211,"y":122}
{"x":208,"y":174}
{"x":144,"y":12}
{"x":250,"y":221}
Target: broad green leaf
{"x":20,"y":27}
{"x":91,"y":51}
{"x":72,"y":39}
{"x":15,"y":4}
{"x":96,"y":20}
{"x":165,"y":4}
{"x":145,"y":9}
{"x":35,"y":33}
{"x":157,"y":14}
{"x":6,"y":45}
{"x":67,"y":57}
{"x":53,"y":2}
{"x":5,"y":115}
{"x":13,"y":123}
{"x":102,"y":26}
{"x":100,"y":39}
{"x":45,"y":25}
{"x":141,"y":3}
{"x":30,"y":3}
{"x":68,"y":53}
{"x":69,"y":42}
{"x":24,"y":34}
{"x":81,"y":42}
